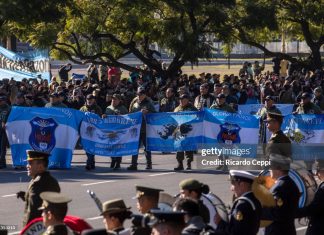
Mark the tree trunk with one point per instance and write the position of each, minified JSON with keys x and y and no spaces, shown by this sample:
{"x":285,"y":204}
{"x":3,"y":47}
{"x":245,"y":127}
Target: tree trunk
{"x":315,"y":62}
{"x":11,"y":43}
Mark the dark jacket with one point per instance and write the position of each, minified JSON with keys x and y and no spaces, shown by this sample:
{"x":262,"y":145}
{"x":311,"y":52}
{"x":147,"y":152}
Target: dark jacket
{"x":41,"y":183}
{"x":194,"y":226}
{"x":286,"y":194}
{"x":279,"y":143}
{"x":315,"y":212}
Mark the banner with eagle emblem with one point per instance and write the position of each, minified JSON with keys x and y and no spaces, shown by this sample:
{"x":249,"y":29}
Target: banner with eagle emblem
{"x":115,"y":135}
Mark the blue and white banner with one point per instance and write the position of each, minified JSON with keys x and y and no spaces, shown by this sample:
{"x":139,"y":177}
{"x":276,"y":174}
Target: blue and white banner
{"x":306,"y":134}
{"x":111,"y":136}
{"x":52,"y":130}
{"x":252,"y":109}
{"x":24,"y":65}
{"x":182,"y":131}
{"x":231,"y":129}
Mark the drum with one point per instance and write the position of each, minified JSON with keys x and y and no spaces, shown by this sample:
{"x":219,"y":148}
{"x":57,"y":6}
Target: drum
{"x":305,"y":182}
{"x":36,"y":226}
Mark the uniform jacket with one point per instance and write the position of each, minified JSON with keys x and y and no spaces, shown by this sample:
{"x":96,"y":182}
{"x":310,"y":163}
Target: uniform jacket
{"x":119,"y":110}
{"x":286,"y":195}
{"x":279,"y":143}
{"x":225,"y":107}
{"x":41,"y":183}
{"x":168,"y":105}
{"x":60,"y":229}
{"x":263,"y":116}
{"x":203,"y":101}
{"x":310,"y":108}
{"x":92,"y":109}
{"x":189,"y":107}
{"x":137,"y":106}
{"x":194,"y":226}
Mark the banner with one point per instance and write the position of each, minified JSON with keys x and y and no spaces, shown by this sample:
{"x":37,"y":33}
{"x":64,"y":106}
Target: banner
{"x":52,"y":130}
{"x":181,"y":131}
{"x":111,"y":136}
{"x":252,"y":109}
{"x":24,"y":65}
{"x":306,"y":134}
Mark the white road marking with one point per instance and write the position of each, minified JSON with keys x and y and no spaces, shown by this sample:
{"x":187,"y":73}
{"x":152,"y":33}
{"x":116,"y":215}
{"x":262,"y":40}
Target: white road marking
{"x":94,"y":218}
{"x":9,"y":195}
{"x":101,"y":182}
{"x":14,"y":233}
{"x":301,"y":228}
{"x":167,"y":173}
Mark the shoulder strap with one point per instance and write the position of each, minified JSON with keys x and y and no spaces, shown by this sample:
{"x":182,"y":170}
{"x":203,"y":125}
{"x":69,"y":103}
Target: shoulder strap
{"x":247,"y":200}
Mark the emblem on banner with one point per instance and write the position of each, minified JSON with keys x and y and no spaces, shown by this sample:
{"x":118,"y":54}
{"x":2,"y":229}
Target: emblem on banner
{"x":229,"y":134}
{"x":111,"y":136}
{"x":42,"y":137}
{"x":177,"y":132}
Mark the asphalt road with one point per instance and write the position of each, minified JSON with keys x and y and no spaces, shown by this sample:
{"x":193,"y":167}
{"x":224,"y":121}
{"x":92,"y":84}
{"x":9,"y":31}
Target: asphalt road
{"x":107,"y":184}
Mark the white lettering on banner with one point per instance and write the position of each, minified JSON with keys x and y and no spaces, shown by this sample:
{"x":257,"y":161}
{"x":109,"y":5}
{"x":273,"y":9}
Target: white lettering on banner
{"x":32,"y":66}
{"x":234,"y":115}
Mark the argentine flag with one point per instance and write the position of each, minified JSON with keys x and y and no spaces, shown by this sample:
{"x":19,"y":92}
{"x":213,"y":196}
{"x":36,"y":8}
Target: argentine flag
{"x":52,"y":130}
{"x":111,"y":136}
{"x":181,"y":131}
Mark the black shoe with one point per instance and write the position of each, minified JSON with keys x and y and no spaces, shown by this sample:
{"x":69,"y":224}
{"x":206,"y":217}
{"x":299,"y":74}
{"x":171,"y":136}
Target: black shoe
{"x":132,"y":168}
{"x":179,"y":168}
{"x":112,"y":165}
{"x":148,"y":167}
{"x":117,"y":167}
{"x":188,"y":166}
{"x":88,"y":167}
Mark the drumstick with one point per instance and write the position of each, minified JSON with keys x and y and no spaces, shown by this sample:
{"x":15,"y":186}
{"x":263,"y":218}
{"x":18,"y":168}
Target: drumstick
{"x":96,"y":199}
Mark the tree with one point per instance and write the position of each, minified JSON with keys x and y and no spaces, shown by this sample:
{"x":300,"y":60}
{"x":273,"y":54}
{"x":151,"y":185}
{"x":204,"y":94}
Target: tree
{"x":254,"y":22}
{"x":103,"y":32}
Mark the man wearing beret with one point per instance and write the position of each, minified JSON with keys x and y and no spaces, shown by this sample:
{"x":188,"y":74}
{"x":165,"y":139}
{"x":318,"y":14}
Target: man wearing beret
{"x":114,"y":214}
{"x":246,"y":210}
{"x":286,"y":195}
{"x":306,"y":106}
{"x":315,"y":210}
{"x":184,"y":106}
{"x":278,"y":143}
{"x":167,"y":222}
{"x":41,"y":181}
{"x":54,"y":209}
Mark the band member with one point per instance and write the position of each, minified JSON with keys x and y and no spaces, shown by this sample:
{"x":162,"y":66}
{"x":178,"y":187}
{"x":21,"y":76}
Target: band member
{"x":167,"y":222}
{"x":54,"y":209}
{"x":246,"y":210}
{"x":286,"y":195}
{"x":194,"y":189}
{"x":315,"y":210}
{"x":41,"y":181}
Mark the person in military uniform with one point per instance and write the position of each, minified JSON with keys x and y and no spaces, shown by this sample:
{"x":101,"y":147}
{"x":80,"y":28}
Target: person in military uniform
{"x":54,"y":208}
{"x":41,"y":181}
{"x":315,"y":210}
{"x":114,"y":214}
{"x":204,"y":100}
{"x":278,"y":143}
{"x":116,"y":108}
{"x":194,"y":189}
{"x":306,"y":106}
{"x":194,"y":222}
{"x":169,"y":102}
{"x":286,"y":195}
{"x":4,"y":114}
{"x":142,"y":103}
{"x":269,"y":106}
{"x":92,"y":107}
{"x":55,"y":101}
{"x":246,"y":210}
{"x":167,"y":222}
{"x":184,"y":106}
{"x":221,"y":104}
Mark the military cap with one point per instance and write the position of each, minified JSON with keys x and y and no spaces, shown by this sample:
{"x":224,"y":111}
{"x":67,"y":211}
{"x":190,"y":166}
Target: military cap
{"x":160,"y":217}
{"x":236,"y":175}
{"x":190,"y":184}
{"x":146,"y":191}
{"x":274,"y":116}
{"x":116,"y":96}
{"x":51,"y":199}
{"x":318,"y":89}
{"x":36,"y":155}
{"x":184,"y":96}
{"x":221,"y":96}
{"x":114,"y":206}
{"x":279,"y":162}
{"x":140,"y":90}
{"x":54,"y":94}
{"x":306,"y":95}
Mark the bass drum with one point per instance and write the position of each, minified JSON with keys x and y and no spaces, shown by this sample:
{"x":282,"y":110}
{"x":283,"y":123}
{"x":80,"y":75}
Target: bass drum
{"x":305,"y":182}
